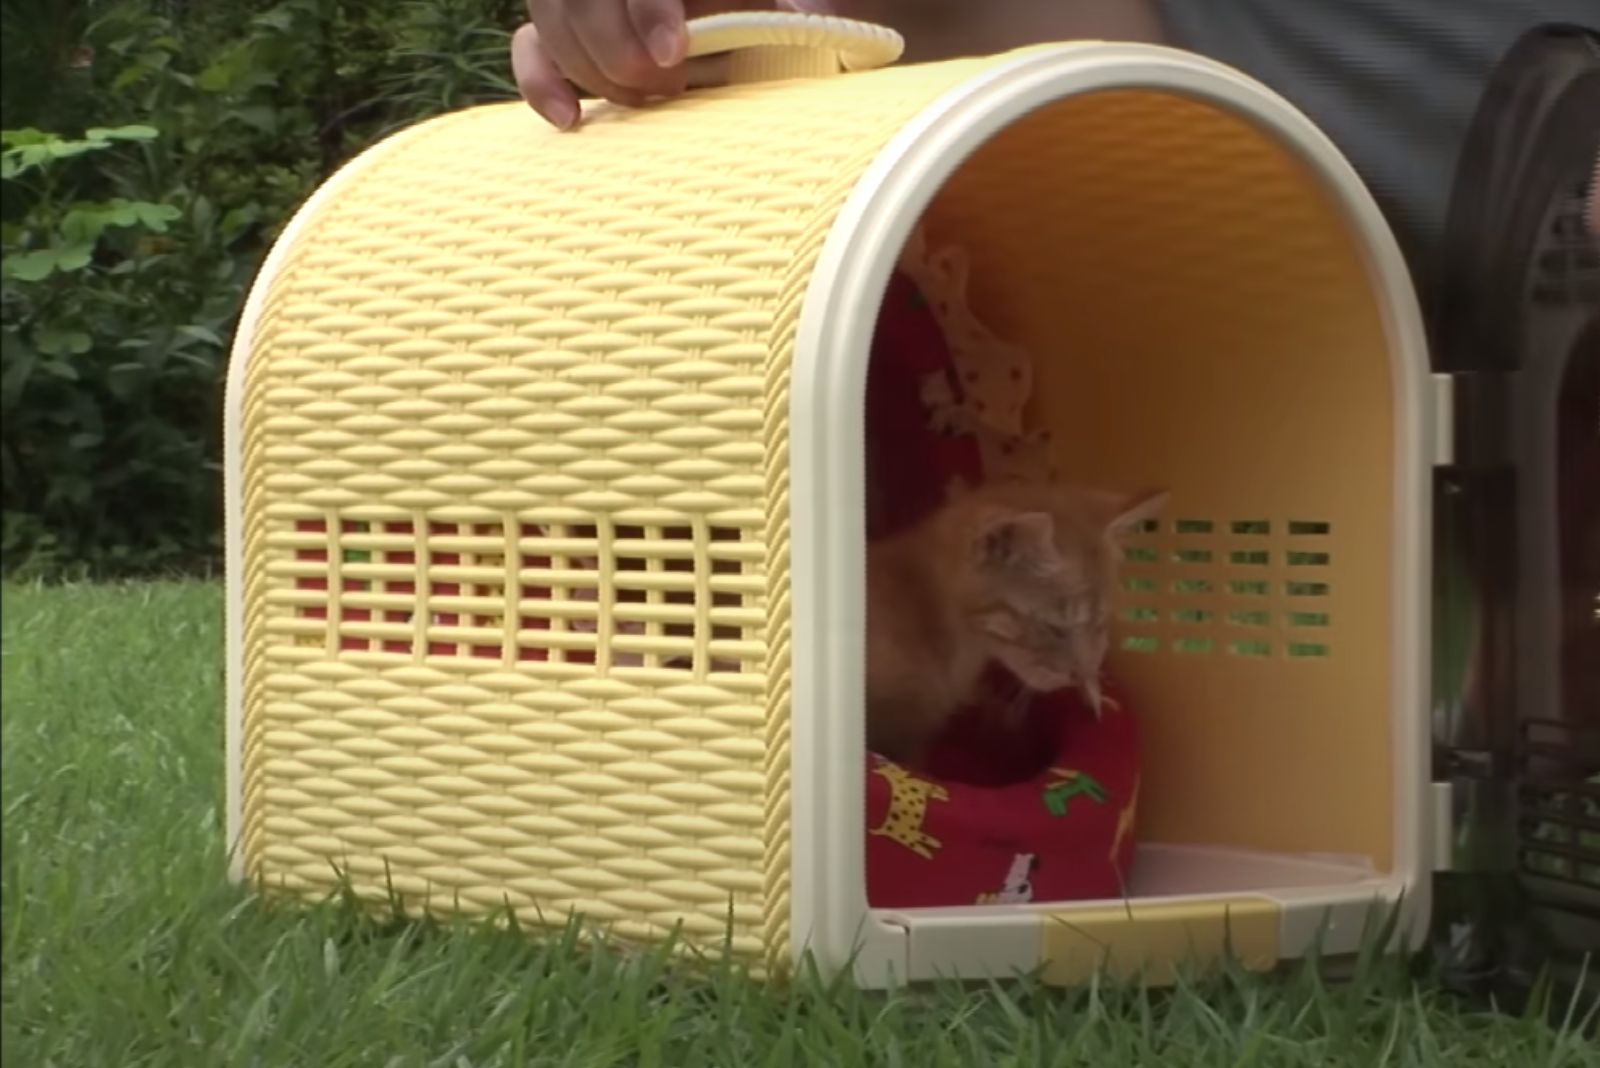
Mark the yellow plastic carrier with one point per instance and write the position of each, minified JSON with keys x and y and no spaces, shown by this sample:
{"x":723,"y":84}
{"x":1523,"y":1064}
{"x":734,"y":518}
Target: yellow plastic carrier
{"x":545,"y":502}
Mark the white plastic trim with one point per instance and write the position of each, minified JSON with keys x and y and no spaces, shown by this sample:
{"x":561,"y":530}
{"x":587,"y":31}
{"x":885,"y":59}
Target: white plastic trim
{"x":1324,"y":901}
{"x":233,"y":472}
{"x":830,"y":917}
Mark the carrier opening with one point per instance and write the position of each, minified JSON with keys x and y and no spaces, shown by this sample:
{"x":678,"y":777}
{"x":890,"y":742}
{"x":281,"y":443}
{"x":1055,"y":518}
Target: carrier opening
{"x":1081,"y":305}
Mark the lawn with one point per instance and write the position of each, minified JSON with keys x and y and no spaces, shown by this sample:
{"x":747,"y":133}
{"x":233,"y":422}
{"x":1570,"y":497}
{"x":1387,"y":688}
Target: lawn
{"x":125,"y":945}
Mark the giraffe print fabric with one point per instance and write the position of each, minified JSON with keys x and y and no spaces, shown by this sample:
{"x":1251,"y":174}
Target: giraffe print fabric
{"x":1061,"y":791}
{"x":1041,"y":809}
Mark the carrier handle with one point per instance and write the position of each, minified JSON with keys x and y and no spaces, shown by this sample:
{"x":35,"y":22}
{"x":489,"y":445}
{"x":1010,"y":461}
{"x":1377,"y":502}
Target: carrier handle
{"x":765,"y":46}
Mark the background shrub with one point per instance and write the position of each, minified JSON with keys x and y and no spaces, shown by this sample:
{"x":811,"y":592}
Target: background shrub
{"x":152,"y":152}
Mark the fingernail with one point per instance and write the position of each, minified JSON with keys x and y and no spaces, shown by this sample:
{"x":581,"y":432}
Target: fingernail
{"x":666,"y":46}
{"x":561,"y":114}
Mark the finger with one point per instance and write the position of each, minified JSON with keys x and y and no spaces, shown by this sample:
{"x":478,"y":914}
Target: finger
{"x":572,"y":59}
{"x":606,"y":31}
{"x":660,"y":25}
{"x":710,"y":71}
{"x":540,"y":81}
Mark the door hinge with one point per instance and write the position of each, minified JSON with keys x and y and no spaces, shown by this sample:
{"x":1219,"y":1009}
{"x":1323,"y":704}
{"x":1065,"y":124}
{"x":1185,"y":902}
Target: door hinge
{"x":1442,"y":826}
{"x":1443,"y":440}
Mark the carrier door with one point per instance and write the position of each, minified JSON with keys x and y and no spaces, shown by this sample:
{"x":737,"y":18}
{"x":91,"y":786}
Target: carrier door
{"x":1516,"y":345}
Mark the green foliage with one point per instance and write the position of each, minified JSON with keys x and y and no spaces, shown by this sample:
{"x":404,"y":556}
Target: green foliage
{"x":42,"y":45}
{"x":64,"y":237}
{"x":128,"y":249}
{"x":98,"y":449}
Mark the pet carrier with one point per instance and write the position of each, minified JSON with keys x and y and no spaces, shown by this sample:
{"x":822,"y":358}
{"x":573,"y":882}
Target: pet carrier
{"x":545,"y":490}
{"x":1516,"y":329}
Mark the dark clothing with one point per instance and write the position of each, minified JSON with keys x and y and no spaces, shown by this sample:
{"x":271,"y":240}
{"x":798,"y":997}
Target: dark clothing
{"x":1393,"y":82}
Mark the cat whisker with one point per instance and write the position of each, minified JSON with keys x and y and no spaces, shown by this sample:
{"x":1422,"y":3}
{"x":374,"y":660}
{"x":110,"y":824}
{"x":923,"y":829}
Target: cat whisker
{"x":1091,"y":690}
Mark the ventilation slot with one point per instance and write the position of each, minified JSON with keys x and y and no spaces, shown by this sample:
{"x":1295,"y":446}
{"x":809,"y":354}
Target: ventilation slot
{"x":1558,"y":798}
{"x":1253,"y":588}
{"x":681,"y":598}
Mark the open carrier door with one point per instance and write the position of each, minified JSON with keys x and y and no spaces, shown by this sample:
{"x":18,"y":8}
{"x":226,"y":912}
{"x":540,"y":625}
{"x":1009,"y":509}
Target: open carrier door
{"x":1516,"y":346}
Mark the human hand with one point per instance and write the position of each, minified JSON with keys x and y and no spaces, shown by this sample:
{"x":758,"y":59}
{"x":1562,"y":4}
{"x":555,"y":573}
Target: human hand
{"x":627,"y":51}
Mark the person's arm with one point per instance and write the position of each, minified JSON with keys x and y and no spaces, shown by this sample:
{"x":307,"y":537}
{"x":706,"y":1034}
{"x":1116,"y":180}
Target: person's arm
{"x":631,"y":51}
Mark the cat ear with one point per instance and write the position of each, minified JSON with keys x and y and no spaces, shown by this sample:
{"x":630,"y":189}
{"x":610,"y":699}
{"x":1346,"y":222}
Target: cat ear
{"x":1132,"y":511}
{"x":1017,"y":541}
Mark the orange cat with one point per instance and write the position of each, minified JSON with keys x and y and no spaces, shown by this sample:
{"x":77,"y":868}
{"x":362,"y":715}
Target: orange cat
{"x":1017,"y":573}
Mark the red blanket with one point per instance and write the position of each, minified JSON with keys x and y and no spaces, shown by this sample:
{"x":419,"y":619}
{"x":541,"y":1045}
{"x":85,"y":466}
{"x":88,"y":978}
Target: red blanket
{"x":1040,"y":811}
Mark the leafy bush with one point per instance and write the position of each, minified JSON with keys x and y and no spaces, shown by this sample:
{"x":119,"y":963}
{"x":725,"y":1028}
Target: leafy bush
{"x":89,"y":452}
{"x":128,"y":250}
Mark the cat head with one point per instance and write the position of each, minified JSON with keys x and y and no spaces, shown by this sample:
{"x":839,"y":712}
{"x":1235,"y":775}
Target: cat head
{"x":1043,"y":573}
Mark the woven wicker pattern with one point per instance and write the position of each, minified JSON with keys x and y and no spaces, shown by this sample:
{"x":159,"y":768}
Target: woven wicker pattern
{"x":515,"y":508}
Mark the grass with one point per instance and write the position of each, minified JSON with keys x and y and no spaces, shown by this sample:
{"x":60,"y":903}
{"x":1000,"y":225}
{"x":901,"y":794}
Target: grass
{"x":124,"y":944}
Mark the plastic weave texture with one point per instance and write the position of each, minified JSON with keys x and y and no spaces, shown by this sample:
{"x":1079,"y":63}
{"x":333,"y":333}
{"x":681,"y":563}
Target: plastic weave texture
{"x":515,"y":494}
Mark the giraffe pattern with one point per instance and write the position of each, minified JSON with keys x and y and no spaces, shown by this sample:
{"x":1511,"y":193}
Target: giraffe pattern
{"x":1065,"y":784}
{"x":908,"y":807}
{"x":1018,"y":889}
{"x":1125,"y":820}
{"x":996,"y":377}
